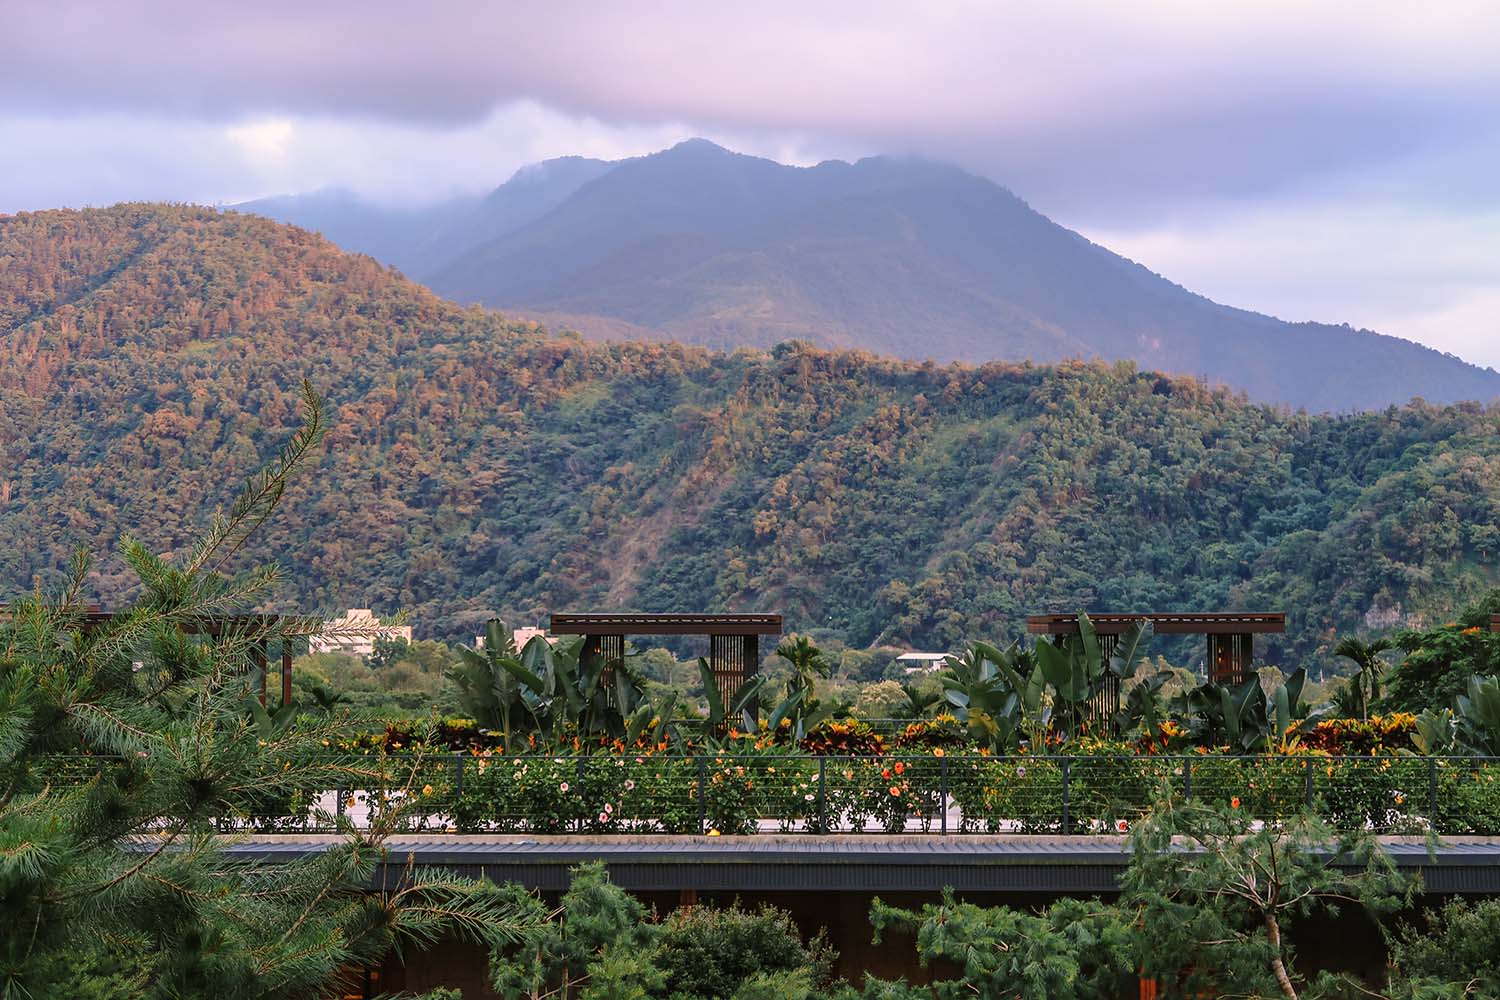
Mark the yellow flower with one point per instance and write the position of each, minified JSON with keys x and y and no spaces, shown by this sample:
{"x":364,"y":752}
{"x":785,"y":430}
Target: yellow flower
{"x":426,"y":789}
{"x":713,"y":833}
{"x":937,"y":751}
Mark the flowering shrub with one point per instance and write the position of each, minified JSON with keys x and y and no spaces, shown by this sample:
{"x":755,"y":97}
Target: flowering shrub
{"x":1359,"y":737}
{"x":944,"y":731}
{"x":848,"y":738}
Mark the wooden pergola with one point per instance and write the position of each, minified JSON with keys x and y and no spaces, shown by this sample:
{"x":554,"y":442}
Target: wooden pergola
{"x":733,"y":639}
{"x":257,"y":628}
{"x":1231,"y":635}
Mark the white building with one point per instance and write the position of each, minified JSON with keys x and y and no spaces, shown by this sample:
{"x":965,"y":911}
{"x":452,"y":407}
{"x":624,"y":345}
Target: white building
{"x":354,"y":634}
{"x":521,"y":637}
{"x":921,"y":663}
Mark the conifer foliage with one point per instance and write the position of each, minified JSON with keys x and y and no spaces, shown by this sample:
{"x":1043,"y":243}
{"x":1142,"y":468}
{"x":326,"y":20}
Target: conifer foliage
{"x":127,"y":748}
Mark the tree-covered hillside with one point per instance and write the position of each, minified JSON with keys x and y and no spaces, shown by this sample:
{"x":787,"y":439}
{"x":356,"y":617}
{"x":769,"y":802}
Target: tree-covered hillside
{"x":149,"y":353}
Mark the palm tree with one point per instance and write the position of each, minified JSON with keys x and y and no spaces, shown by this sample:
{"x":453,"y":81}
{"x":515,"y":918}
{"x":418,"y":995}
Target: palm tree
{"x":1365,"y":684}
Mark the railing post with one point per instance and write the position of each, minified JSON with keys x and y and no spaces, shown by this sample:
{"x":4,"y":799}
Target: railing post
{"x":702,"y":795}
{"x":1187,"y":778}
{"x":1067,"y":766}
{"x":581,"y":822}
{"x":1307,"y":793}
{"x":458,"y":777}
{"x":943,"y":795}
{"x":822,"y":794}
{"x":1432,"y":795}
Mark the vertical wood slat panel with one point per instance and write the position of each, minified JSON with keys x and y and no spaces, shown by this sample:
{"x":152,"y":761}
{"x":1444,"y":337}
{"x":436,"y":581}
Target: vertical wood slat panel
{"x":733,"y":659}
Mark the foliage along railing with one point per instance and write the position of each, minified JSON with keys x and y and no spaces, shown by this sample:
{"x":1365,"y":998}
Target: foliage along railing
{"x":736,"y":794}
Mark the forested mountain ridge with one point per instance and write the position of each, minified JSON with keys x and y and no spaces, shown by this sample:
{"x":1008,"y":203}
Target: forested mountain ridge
{"x":149,"y":354}
{"x":697,"y":244}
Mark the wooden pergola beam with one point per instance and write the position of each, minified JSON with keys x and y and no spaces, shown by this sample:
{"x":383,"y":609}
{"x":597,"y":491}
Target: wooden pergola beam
{"x":672,"y":624}
{"x":1231,"y":634}
{"x":1163,"y":623}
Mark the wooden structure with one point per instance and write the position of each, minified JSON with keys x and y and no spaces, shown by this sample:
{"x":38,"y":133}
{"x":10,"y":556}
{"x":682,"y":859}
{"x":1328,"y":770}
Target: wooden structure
{"x":1495,"y":623}
{"x":1231,"y":635}
{"x":258,"y":629}
{"x":733,"y":639}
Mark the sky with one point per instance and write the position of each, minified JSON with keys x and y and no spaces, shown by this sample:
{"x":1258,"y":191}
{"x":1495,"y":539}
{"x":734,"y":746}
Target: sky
{"x":1313,"y":160}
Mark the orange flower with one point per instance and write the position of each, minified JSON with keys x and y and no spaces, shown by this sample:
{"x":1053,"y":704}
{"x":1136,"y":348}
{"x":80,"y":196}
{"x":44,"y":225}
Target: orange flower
{"x":900,"y":767}
{"x":937,"y":751}
{"x":1234,"y":803}
{"x":896,"y":790}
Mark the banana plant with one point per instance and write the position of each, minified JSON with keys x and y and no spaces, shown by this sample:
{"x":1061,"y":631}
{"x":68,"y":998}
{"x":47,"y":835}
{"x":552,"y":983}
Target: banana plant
{"x":742,"y":705}
{"x":270,"y":723}
{"x":1479,"y":717}
{"x":554,"y":690}
{"x":1076,"y":668}
{"x":1245,"y":718}
{"x":487,"y":692}
{"x":1435,"y":732}
{"x":997,"y":693}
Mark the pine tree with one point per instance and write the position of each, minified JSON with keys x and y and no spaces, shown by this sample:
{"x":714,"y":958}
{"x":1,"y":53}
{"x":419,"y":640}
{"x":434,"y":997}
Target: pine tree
{"x":127,"y":746}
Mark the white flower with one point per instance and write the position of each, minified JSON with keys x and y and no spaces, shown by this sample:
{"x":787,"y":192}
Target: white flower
{"x":809,"y":796}
{"x":629,"y":785}
{"x":563,"y":787}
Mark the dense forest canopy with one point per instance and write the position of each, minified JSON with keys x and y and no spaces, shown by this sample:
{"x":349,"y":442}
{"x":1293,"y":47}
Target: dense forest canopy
{"x":150,"y":354}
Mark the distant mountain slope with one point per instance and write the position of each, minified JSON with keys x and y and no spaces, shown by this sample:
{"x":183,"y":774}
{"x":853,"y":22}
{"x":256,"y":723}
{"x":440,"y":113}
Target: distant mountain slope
{"x":701,"y":245}
{"x":149,"y":355}
{"x":422,"y":240}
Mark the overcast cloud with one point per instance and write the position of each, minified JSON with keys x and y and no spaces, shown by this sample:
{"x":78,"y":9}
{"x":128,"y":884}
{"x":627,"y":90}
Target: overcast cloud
{"x":1334,"y":161}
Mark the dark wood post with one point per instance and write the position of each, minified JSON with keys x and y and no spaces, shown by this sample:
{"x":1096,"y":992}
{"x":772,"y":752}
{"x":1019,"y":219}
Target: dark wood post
{"x":286,"y":672}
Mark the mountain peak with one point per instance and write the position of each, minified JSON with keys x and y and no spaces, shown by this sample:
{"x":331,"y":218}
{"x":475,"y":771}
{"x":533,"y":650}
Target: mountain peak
{"x":893,"y":254}
{"x":697,"y":145}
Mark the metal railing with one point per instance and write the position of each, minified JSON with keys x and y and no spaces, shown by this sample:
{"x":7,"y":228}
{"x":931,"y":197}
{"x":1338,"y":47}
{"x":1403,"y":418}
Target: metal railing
{"x":740,"y":794}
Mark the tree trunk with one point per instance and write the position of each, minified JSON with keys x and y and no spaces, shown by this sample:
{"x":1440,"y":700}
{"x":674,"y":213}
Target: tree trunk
{"x":1277,"y":965}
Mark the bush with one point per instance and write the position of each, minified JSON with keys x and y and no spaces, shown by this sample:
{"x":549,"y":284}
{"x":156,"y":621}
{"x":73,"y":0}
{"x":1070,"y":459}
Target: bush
{"x":945,"y":731}
{"x":1362,"y":738}
{"x":846,"y":738}
{"x":707,"y":953}
{"x":1461,"y":937}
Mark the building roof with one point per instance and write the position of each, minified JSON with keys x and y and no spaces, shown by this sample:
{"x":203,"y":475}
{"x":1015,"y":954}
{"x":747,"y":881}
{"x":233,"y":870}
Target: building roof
{"x":1050,"y":864}
{"x":1163,"y":623}
{"x":673,"y":624}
